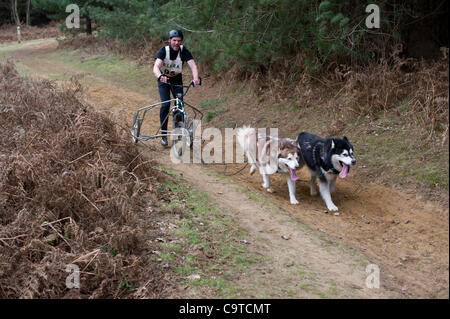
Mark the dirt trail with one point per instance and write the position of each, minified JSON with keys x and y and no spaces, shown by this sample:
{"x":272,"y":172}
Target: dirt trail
{"x":404,"y":235}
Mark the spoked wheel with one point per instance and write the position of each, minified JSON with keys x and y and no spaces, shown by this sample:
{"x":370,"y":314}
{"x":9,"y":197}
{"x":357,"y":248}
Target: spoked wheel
{"x":181,"y":141}
{"x":135,"y":131}
{"x":191,"y":127}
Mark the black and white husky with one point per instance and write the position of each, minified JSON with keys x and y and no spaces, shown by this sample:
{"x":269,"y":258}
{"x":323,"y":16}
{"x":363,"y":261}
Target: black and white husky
{"x":326,"y":159}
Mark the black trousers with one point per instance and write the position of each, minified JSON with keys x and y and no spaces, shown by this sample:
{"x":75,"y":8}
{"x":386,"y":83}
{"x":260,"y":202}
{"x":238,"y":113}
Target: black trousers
{"x":164,"y":93}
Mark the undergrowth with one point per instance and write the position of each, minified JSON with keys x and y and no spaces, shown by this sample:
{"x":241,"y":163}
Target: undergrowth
{"x":73,"y":191}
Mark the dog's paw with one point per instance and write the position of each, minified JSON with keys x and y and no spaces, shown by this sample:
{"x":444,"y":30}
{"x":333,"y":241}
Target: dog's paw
{"x":270,"y":190}
{"x":332,"y":208}
{"x":294,"y":202}
{"x":264,"y":186}
{"x":252,"y":170}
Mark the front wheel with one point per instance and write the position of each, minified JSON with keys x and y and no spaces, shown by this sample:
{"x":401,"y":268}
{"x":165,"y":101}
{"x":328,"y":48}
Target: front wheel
{"x":191,"y":127}
{"x":181,"y":142}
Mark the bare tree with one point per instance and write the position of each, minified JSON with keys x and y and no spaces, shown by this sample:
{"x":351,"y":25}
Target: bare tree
{"x":14,"y":12}
{"x":28,"y":11}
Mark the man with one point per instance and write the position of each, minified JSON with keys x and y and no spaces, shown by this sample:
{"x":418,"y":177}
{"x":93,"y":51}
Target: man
{"x":168,"y":67}
{"x":19,"y":35}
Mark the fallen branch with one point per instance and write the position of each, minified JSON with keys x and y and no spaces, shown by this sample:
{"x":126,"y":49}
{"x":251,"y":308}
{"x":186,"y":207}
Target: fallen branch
{"x":81,"y":258}
{"x":85,"y":197}
{"x":29,"y":143}
{"x":80,"y":157}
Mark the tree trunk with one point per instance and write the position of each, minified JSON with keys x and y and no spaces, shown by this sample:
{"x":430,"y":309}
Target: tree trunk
{"x":88,"y":26}
{"x":16,"y":18}
{"x":17,"y":12}
{"x":14,"y":12}
{"x":28,"y":11}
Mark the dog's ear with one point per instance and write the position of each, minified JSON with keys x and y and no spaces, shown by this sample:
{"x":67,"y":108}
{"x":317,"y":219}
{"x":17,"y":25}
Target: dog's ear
{"x":346,"y":139}
{"x":329,"y":144}
{"x":281,"y":147}
{"x":282,"y":144}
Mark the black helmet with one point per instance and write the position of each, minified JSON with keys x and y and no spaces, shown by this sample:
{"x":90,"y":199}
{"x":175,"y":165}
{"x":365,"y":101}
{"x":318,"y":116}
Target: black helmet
{"x":175,"y":33}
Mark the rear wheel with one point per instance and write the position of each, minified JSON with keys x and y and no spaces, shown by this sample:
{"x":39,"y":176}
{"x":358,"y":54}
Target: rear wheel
{"x":135,"y":131}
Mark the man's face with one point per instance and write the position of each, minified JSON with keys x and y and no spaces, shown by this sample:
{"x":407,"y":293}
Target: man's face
{"x":175,"y":43}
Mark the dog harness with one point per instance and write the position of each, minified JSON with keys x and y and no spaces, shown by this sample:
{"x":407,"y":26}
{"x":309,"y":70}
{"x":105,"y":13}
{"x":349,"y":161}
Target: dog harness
{"x":170,"y":67}
{"x":322,"y":171}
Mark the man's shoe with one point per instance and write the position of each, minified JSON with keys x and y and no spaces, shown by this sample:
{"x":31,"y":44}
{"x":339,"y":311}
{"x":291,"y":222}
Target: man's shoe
{"x":164,"y":141}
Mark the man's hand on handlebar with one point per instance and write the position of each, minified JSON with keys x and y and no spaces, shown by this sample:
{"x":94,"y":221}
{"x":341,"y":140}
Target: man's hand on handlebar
{"x":163,"y":78}
{"x":197,"y":82}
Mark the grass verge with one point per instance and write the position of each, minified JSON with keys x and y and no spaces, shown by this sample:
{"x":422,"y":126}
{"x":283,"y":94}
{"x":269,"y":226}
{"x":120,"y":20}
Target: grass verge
{"x":213,"y":107}
{"x":207,"y":250}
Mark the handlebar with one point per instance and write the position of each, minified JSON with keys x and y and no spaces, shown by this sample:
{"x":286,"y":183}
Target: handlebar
{"x":183,"y":86}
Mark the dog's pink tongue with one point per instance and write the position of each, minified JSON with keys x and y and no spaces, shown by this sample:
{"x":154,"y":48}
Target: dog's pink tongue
{"x":294,"y":177}
{"x":344,"y":171}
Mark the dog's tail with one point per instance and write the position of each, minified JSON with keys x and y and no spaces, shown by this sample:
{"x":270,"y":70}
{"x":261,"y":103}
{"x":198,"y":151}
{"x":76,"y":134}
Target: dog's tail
{"x":244,"y":136}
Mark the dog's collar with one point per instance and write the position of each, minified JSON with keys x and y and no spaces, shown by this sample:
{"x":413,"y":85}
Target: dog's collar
{"x":334,"y":171}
